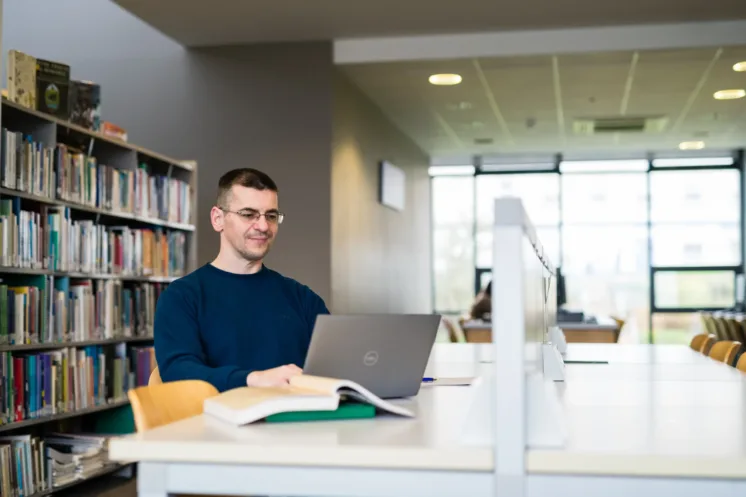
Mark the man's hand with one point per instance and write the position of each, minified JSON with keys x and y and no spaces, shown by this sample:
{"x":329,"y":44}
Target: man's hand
{"x":274,"y":377}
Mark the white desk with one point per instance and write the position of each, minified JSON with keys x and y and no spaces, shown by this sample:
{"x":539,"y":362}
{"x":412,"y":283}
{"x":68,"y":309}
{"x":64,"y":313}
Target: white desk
{"x":655,"y":421}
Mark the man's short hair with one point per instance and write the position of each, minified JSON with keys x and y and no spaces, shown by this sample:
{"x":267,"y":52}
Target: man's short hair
{"x":246,"y":177}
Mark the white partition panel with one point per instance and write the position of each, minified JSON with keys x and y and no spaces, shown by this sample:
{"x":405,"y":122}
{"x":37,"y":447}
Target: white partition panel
{"x":523,"y":309}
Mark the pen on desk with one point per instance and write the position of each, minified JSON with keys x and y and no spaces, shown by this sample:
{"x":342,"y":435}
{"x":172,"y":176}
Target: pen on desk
{"x":428,"y":380}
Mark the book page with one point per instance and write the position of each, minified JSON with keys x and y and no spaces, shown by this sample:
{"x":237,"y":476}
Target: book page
{"x":245,"y":397}
{"x":334,"y":386}
{"x":320,"y":384}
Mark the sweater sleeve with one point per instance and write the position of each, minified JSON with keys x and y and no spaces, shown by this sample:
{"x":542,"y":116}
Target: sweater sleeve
{"x":313,"y":305}
{"x":178,"y":347}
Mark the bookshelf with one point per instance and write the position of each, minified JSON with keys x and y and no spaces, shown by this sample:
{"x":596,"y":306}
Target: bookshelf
{"x":92,"y":230}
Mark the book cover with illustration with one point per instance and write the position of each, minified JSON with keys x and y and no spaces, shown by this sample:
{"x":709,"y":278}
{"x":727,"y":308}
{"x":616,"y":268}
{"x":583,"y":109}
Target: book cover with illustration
{"x":53,"y":88}
{"x":85,"y":104}
{"x":21,"y":73}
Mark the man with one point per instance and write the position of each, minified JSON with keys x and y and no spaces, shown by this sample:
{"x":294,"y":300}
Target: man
{"x":235,"y":322}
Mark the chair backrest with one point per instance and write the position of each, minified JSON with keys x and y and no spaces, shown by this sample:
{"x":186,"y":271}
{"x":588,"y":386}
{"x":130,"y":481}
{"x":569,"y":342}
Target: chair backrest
{"x":741,"y":364}
{"x":157,"y":405}
{"x":155,"y":377}
{"x":702,"y":343}
{"x":735,"y":328}
{"x":721,"y":328}
{"x":725,"y":351}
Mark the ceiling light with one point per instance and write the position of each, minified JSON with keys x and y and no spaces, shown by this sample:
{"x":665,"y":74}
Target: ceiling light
{"x":445,"y":79}
{"x":698,"y":145}
{"x":740,"y":66}
{"x":730,"y":94}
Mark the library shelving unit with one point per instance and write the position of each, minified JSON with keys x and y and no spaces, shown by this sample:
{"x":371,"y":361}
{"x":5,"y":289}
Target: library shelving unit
{"x":92,"y":229}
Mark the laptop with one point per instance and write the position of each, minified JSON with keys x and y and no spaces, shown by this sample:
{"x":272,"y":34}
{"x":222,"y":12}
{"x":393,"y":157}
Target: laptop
{"x":385,"y":353}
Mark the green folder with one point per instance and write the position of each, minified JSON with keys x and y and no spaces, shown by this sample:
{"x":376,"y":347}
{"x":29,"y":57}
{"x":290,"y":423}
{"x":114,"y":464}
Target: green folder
{"x":351,"y":410}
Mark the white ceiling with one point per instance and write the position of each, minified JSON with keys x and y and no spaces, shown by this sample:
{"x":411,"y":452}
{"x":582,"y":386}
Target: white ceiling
{"x":221,"y":22}
{"x":529,"y":104}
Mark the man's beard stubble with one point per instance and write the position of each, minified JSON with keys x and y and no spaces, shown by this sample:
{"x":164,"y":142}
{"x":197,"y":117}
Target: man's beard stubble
{"x":253,"y":256}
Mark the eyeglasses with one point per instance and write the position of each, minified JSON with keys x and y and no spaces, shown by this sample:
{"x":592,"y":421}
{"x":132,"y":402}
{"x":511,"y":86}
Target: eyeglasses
{"x":272,"y":217}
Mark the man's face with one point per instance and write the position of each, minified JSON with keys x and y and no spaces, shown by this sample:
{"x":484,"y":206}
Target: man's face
{"x":251,"y":235}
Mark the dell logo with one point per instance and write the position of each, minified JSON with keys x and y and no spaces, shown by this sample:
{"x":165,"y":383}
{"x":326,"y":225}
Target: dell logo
{"x":370,"y":358}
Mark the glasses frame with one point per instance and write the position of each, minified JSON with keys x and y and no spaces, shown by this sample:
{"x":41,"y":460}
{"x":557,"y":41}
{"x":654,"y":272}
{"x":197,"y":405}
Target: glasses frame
{"x":244,"y":216}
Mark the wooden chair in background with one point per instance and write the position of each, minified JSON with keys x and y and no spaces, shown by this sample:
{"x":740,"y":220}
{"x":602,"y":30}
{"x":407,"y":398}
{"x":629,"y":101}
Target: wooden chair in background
{"x":741,"y":364}
{"x":725,"y":351}
{"x":702,"y":343}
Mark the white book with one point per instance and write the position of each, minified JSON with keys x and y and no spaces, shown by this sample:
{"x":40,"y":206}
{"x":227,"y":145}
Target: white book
{"x":245,"y":405}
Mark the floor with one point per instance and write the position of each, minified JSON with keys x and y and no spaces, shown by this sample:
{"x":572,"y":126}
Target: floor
{"x":105,"y":486}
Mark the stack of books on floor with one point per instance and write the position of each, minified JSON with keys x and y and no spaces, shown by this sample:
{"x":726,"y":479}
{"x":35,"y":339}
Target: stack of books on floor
{"x":70,"y":379}
{"x":30,"y":464}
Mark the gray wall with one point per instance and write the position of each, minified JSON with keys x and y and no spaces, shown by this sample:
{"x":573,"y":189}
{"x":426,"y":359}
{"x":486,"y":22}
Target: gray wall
{"x":269,"y":107}
{"x":380,"y":257}
{"x":266,"y":106}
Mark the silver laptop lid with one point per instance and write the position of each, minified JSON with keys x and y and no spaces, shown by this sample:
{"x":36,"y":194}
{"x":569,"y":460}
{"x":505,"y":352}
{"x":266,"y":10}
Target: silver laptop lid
{"x":385,"y":353}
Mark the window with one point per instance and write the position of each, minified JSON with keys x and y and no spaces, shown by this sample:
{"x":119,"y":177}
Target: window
{"x":693,"y":197}
{"x":540,"y":196}
{"x":453,"y":242}
{"x":694,"y":289}
{"x":674,"y":328}
{"x":696,"y":245}
{"x":609,"y":226}
{"x":696,"y":217}
{"x":605,"y":245}
{"x":604,"y":198}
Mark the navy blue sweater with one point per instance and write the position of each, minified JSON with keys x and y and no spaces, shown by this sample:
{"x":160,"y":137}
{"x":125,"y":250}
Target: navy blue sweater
{"x":217,"y":326}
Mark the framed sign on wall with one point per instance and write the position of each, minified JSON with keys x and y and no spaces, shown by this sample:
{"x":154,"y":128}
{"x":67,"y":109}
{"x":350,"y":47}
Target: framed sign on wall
{"x":391,"y":186}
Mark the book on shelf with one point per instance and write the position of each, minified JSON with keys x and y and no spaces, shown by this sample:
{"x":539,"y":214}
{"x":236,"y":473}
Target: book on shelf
{"x":48,"y":238}
{"x":53,"y":88}
{"x":305,"y":395}
{"x":66,"y":173}
{"x":21,"y":74}
{"x":85,"y":104}
{"x":46,"y":309}
{"x":69,"y":379}
{"x":34,"y":464}
{"x":113,"y":131}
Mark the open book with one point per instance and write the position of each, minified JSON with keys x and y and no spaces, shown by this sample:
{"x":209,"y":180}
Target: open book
{"x":305,"y":393}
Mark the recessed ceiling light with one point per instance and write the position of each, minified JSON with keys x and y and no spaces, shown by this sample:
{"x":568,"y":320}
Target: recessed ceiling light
{"x":730,"y":94}
{"x":444,"y":79}
{"x":697,"y":145}
{"x":740,"y":66}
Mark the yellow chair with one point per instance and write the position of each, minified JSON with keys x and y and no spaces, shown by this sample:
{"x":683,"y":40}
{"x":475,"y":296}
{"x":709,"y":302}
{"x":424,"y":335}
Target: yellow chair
{"x":741,"y":364}
{"x":157,"y":405}
{"x":725,"y":351}
{"x":155,"y":377}
{"x":702,"y":343}
{"x":161,"y":403}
